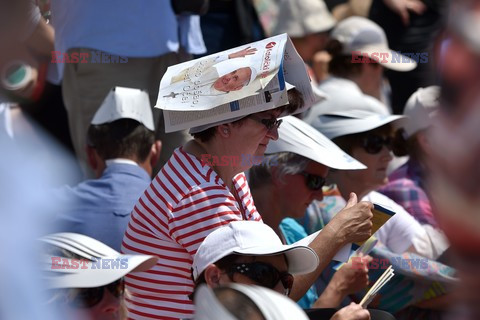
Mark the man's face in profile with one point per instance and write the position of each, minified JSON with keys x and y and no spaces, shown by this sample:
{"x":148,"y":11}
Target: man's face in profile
{"x":234,"y":80}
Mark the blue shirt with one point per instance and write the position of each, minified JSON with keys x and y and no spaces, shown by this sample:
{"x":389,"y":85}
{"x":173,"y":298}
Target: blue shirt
{"x":293,"y":232}
{"x":100,"y":208}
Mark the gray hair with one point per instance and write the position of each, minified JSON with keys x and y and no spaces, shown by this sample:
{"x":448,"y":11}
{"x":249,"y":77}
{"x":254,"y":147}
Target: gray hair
{"x":287,"y":163}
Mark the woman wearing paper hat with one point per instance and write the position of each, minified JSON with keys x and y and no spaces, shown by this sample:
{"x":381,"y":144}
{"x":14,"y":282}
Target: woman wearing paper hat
{"x":251,"y":253}
{"x":201,"y":187}
{"x":367,"y":136}
{"x":86,"y":276}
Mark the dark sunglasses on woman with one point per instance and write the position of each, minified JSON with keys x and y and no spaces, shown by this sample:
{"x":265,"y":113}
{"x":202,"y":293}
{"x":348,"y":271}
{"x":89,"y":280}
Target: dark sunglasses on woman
{"x":373,"y":143}
{"x":89,"y":297}
{"x":268,"y":123}
{"x":313,"y":181}
{"x":263,"y":274}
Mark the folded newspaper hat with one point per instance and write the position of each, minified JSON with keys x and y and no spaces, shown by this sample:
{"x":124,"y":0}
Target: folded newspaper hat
{"x":337,"y":124}
{"x":296,"y":136}
{"x":251,"y":238}
{"x":299,"y":18}
{"x":230,"y":65}
{"x":420,"y":108}
{"x":105,"y":265}
{"x":271,"y":304}
{"x":359,"y":34}
{"x":125,"y":103}
{"x":318,"y":94}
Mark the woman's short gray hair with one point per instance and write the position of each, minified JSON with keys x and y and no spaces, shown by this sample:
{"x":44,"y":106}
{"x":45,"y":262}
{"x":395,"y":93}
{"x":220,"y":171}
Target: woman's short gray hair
{"x":285,"y":163}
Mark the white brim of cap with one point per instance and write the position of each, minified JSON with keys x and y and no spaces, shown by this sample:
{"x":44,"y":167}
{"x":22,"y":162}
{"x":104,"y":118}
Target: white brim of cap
{"x":272,"y":304}
{"x":394,"y":61}
{"x":296,"y":136}
{"x":90,"y":278}
{"x":335,"y":125}
{"x":207,"y":306}
{"x":301,"y":259}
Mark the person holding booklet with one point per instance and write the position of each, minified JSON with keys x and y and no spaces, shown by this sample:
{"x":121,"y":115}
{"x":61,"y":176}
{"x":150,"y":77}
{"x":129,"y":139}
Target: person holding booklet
{"x":367,"y":136}
{"x":290,"y":178}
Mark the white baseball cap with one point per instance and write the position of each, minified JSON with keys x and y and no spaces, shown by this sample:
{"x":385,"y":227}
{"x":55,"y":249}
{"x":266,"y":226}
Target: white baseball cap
{"x":251,"y":238}
{"x":359,"y":34}
{"x":92,"y":250}
{"x":298,"y":137}
{"x":271,"y":304}
{"x":337,"y":124}
{"x":125,"y":103}
{"x":299,"y":18}
{"x":420,"y":108}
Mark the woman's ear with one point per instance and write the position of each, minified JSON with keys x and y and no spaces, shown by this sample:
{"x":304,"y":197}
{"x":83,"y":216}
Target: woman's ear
{"x":212,"y":276}
{"x":224,"y":130}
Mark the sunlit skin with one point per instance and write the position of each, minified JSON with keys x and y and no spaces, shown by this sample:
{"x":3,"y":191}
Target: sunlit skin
{"x":295,"y":196}
{"x":249,"y":137}
{"x":287,"y":197}
{"x":363,"y":181}
{"x":234,"y":80}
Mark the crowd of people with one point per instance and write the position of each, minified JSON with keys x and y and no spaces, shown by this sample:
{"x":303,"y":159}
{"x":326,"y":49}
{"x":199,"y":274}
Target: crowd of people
{"x":127,"y":221}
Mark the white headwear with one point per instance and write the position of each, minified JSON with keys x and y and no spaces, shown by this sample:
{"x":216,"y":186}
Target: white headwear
{"x":296,"y":136}
{"x":359,"y":34}
{"x":251,"y":238}
{"x":125,"y":103}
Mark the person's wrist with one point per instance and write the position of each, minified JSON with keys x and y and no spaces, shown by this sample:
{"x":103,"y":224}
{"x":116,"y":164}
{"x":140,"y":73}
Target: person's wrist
{"x":337,"y":232}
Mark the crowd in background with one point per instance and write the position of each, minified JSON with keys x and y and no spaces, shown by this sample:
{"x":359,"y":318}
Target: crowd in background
{"x":89,"y":175}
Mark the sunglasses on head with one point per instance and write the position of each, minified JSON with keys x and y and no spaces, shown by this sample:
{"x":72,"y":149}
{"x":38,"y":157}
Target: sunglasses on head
{"x":373,"y":143}
{"x":313,"y":181}
{"x":89,"y":297}
{"x":263,"y":274}
{"x":268,"y":123}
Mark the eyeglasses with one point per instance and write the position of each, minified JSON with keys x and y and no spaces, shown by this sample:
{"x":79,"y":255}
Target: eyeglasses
{"x":89,"y":297}
{"x":313,"y":181}
{"x":264,"y":274}
{"x":268,"y":123}
{"x":373,"y":143}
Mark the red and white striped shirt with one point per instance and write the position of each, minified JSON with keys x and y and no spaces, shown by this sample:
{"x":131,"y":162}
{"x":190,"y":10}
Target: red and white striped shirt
{"x":183,"y":204}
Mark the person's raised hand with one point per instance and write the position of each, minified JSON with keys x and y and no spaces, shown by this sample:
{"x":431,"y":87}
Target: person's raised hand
{"x":351,"y":312}
{"x":242,"y":53}
{"x":402,"y":8}
{"x":354,"y":222}
{"x":352,"y":276}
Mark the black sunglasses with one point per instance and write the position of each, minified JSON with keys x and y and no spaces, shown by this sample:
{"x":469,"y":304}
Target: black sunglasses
{"x":313,"y":181}
{"x":268,"y":123}
{"x":373,"y":143}
{"x":263,"y":274}
{"x":89,"y":297}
